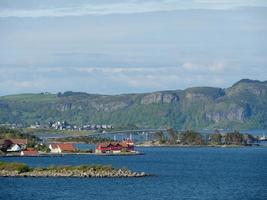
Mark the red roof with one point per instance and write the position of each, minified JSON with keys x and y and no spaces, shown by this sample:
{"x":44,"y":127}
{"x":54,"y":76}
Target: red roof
{"x":14,"y":141}
{"x":115,"y":145}
{"x":30,"y":153}
{"x":66,"y":147}
{"x":54,"y":145}
{"x":63,"y":146}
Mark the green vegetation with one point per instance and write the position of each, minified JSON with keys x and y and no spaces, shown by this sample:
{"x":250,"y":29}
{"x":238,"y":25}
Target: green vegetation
{"x":82,"y":168}
{"x":160,"y":137}
{"x":242,"y":106}
{"x":7,"y":133}
{"x":53,"y":131}
{"x":216,"y":139}
{"x":172,"y":136}
{"x":85,"y":139}
{"x":191,"y":138}
{"x":234,"y":138}
{"x":19,"y":167}
{"x":42,"y":148}
{"x":194,"y":138}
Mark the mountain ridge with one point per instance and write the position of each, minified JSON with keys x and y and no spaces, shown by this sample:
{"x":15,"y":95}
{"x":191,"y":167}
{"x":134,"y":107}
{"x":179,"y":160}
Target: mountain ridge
{"x":243,"y":105}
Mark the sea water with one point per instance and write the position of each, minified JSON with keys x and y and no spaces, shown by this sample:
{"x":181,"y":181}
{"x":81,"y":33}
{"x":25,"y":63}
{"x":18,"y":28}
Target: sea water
{"x":177,"y":173}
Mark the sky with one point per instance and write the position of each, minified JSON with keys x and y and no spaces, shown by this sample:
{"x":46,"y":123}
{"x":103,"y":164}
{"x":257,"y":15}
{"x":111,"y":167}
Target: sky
{"x":130,"y":46}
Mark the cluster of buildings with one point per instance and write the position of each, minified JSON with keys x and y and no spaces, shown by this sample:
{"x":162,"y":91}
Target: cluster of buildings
{"x":64,"y":125}
{"x":61,"y":148}
{"x":17,"y":145}
{"x":115,"y":147}
{"x":21,"y":147}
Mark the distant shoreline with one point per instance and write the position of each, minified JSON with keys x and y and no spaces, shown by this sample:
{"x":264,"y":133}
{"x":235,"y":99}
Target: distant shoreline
{"x":200,"y":146}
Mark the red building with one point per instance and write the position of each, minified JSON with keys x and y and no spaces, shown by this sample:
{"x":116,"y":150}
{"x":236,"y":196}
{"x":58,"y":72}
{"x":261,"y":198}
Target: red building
{"x":115,"y":147}
{"x":29,"y":152}
{"x":61,"y":147}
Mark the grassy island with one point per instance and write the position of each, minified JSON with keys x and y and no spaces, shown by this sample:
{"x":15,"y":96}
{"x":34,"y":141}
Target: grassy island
{"x":23,"y":170}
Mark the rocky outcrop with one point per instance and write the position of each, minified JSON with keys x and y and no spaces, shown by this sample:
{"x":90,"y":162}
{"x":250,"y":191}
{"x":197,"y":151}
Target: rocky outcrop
{"x":159,"y":97}
{"x":109,"y":107}
{"x":114,"y":173}
{"x":233,"y":113}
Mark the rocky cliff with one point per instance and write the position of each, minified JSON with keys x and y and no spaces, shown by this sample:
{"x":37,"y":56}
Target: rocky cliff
{"x":241,"y":106}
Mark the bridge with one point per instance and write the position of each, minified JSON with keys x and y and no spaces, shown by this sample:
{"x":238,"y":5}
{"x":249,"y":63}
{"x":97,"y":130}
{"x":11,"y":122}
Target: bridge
{"x":143,"y":134}
{"x":128,"y":133}
{"x":138,"y":131}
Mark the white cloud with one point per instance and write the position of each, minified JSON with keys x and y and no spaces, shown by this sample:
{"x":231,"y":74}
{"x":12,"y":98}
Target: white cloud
{"x":122,"y":80}
{"x":214,"y":67}
{"x":124,"y":7}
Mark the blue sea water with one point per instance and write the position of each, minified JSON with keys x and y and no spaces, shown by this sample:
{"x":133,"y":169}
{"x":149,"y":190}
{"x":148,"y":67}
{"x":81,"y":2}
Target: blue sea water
{"x":178,"y":173}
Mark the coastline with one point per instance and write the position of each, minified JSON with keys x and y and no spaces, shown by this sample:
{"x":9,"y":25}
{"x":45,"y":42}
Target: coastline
{"x":66,"y":154}
{"x":82,"y":171}
{"x":198,"y":146}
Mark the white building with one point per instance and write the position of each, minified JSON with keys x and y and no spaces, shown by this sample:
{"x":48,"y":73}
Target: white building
{"x":61,"y":147}
{"x":54,"y":148}
{"x":14,"y":148}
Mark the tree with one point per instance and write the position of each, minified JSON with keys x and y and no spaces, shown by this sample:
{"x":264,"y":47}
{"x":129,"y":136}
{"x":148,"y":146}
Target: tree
{"x":216,"y":138}
{"x":160,"y":136}
{"x":172,"y":135}
{"x":191,"y":138}
{"x":234,"y":138}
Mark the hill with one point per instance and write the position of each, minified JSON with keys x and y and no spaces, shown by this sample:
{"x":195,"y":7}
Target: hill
{"x":241,"y":106}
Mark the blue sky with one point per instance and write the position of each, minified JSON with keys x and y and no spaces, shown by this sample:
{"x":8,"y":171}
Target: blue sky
{"x":119,"y":46}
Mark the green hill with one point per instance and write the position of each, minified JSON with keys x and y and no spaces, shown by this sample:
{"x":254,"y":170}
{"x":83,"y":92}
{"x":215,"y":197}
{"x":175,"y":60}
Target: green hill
{"x":244,"y":105}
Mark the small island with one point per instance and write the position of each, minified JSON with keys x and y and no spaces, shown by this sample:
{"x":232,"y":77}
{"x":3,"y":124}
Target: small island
{"x":82,"y":171}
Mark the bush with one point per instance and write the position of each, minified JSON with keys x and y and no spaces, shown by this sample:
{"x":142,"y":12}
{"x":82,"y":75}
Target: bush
{"x":23,"y":168}
{"x":191,"y":138}
{"x":234,"y":138}
{"x":20,"y":167}
{"x":216,"y":138}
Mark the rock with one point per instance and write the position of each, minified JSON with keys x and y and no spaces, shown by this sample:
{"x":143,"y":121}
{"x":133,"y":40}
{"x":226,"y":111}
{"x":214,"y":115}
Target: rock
{"x":159,"y":97}
{"x":75,"y":173}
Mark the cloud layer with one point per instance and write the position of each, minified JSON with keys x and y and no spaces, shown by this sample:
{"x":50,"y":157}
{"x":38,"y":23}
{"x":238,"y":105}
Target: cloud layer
{"x":122,"y":80}
{"x":81,"y":8}
{"x":97,"y":51}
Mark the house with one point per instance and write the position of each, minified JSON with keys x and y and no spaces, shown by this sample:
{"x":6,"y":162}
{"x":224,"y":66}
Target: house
{"x":14,"y":141}
{"x":13,"y":145}
{"x":61,"y":147}
{"x":14,"y":148}
{"x":29,"y":152}
{"x":115,"y":147}
{"x":5,"y":143}
{"x":19,"y":141}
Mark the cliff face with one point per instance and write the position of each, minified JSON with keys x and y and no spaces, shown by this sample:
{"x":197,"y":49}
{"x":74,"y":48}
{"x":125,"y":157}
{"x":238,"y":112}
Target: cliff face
{"x":244,"y":105}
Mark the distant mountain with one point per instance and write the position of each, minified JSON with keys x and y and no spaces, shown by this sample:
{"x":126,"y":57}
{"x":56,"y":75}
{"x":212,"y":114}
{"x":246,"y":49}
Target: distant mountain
{"x":244,"y":105}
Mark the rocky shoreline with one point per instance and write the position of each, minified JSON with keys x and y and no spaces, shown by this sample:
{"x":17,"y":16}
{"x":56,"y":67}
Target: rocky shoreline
{"x":75,"y":173}
{"x":22,"y":170}
{"x":83,"y":171}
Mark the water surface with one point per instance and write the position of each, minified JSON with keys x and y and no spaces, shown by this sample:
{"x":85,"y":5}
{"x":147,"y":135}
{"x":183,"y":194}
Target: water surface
{"x":179,"y":173}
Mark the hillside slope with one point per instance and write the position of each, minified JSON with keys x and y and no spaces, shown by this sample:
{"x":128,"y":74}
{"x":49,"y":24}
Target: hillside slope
{"x":244,"y":105}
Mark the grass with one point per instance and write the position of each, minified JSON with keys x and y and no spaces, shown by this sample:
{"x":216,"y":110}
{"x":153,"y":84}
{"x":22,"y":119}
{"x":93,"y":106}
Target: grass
{"x":81,"y":168}
{"x":46,"y":130}
{"x":21,"y":167}
{"x":31,"y":97}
